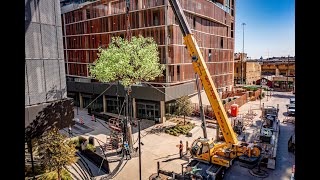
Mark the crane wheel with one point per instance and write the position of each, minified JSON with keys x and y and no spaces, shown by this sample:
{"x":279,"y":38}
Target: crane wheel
{"x":256,"y":151}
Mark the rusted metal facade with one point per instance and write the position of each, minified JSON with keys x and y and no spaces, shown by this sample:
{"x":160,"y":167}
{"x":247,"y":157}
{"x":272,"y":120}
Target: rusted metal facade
{"x":90,"y":25}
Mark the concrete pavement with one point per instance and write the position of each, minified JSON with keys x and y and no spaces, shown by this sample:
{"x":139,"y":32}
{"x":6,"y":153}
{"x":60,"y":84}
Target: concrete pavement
{"x":159,"y":146}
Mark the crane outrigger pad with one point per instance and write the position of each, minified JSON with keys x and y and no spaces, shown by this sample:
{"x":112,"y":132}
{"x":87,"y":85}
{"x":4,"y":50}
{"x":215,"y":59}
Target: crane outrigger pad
{"x":249,"y":162}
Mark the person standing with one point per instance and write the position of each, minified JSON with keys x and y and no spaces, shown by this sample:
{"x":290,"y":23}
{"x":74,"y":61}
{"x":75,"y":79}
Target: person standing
{"x":69,"y":131}
{"x":180,"y":149}
{"x":127,"y":151}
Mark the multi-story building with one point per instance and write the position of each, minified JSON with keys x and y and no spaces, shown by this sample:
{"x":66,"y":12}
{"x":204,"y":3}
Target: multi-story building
{"x":46,"y":102}
{"x":277,"y":68}
{"x":89,"y":25}
{"x":251,"y":70}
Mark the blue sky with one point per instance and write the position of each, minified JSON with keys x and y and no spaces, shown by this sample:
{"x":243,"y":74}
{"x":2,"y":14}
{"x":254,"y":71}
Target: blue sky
{"x":269,"y":27}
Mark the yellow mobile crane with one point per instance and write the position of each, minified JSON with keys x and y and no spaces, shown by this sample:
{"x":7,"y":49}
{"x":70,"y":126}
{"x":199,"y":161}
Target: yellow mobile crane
{"x":203,"y":149}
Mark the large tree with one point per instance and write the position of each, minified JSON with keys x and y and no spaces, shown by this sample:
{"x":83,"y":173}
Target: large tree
{"x":184,"y":107}
{"x":56,"y":151}
{"x":130,"y":62}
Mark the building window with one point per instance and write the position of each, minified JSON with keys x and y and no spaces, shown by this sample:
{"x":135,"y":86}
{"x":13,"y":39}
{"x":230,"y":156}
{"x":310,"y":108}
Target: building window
{"x":221,"y":43}
{"x":156,"y":18}
{"x":88,"y":13}
{"x":194,"y":22}
{"x":209,"y":55}
{"x":178,"y":72}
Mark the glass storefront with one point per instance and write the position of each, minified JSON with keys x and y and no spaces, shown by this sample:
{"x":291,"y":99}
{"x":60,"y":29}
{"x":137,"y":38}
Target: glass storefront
{"x":97,"y":105}
{"x":113,"y":104}
{"x":148,"y":110}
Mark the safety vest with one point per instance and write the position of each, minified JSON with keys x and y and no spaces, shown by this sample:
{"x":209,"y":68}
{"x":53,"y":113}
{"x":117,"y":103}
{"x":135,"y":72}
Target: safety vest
{"x":181,"y":146}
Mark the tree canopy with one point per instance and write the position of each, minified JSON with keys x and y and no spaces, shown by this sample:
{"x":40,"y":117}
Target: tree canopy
{"x":129,"y":62}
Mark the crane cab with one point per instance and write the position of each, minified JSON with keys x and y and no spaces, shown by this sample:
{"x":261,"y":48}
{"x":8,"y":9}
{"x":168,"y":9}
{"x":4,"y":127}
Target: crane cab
{"x":201,"y":147}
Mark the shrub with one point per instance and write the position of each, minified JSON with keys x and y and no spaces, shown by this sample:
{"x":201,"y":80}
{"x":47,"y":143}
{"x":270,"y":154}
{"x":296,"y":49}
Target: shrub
{"x":223,"y":101}
{"x":38,"y":169}
{"x":65,"y":175}
{"x":229,"y":99}
{"x":76,"y":142}
{"x":82,"y":139}
{"x":91,"y":147}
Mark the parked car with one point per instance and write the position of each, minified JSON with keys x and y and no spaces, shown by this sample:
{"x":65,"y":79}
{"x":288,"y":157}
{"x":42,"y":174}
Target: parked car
{"x":291,"y":109}
{"x":292,"y":100}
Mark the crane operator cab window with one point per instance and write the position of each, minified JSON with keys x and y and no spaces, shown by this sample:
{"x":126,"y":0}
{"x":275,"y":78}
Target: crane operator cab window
{"x":204,"y":149}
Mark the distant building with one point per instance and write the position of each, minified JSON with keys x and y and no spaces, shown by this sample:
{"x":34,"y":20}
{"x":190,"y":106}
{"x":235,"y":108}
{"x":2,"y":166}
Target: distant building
{"x":251,"y":70}
{"x":278,"y":83}
{"x":277,"y":68}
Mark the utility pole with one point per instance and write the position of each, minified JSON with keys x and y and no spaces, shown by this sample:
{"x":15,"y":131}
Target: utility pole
{"x":242,"y":57}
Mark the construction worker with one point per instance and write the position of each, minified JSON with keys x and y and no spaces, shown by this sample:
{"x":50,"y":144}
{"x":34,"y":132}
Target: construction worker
{"x":180,"y":149}
{"x":69,"y":131}
{"x":127,"y":151}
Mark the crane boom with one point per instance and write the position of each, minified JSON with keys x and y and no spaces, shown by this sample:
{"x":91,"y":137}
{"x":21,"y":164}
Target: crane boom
{"x":217,"y":153}
{"x":201,"y":69}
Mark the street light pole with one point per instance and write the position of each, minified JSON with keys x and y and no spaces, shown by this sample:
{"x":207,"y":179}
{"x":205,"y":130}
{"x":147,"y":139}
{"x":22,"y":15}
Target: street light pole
{"x":288,"y":73}
{"x":243,"y":24}
{"x":139,"y":149}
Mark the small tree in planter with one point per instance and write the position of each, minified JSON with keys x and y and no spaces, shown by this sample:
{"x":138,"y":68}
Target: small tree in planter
{"x":56,"y":152}
{"x":184,"y":107}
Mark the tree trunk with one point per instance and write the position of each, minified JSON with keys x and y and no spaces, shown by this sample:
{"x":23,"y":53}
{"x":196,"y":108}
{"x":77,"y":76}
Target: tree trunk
{"x":59,"y":173}
{"x":184,"y":119}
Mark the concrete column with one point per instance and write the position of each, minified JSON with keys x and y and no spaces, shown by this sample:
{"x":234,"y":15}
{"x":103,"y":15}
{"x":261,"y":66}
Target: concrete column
{"x":81,"y":101}
{"x":288,"y":73}
{"x":104,"y":103}
{"x":277,"y":72}
{"x":134,"y":108}
{"x":162,"y":112}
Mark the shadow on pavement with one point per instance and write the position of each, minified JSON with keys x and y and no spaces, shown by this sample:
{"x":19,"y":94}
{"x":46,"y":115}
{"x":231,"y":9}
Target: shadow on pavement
{"x":283,"y":96}
{"x":167,"y":156}
{"x":171,"y":159}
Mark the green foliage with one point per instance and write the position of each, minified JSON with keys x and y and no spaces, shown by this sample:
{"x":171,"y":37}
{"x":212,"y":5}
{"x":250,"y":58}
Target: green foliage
{"x":180,"y":129}
{"x":81,"y":139}
{"x":65,"y":175}
{"x":91,"y":147}
{"x":251,"y":88}
{"x":263,"y":94}
{"x":128,"y":61}
{"x":56,"y":151}
{"x":229,"y":99}
{"x":38,"y":169}
{"x":184,"y":106}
